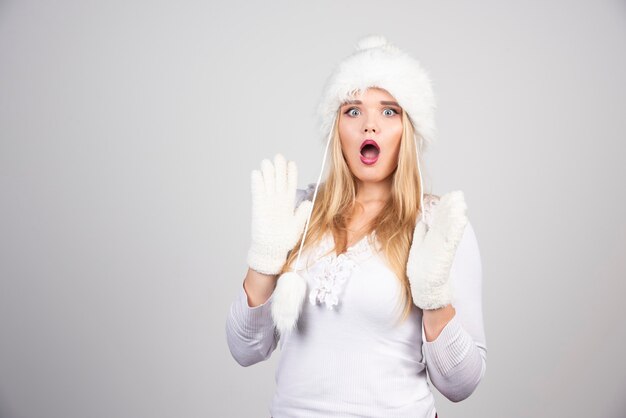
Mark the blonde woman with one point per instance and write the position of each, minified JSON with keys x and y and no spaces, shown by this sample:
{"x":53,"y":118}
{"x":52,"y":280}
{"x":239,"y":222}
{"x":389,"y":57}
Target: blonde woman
{"x":368,"y":283}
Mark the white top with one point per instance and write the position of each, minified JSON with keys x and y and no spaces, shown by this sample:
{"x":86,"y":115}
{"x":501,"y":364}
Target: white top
{"x":347,"y":357}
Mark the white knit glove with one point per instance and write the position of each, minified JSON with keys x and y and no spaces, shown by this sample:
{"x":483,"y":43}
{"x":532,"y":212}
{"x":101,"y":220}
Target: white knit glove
{"x":433,"y":249}
{"x":276,"y":226}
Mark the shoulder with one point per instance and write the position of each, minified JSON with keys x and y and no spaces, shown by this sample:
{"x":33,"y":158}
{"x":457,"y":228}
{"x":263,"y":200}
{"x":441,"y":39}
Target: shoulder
{"x":429,"y":201}
{"x":454,"y":199}
{"x":430,"y":198}
{"x":305,"y":194}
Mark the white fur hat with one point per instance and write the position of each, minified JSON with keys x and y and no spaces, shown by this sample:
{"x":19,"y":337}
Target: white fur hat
{"x":377,"y":63}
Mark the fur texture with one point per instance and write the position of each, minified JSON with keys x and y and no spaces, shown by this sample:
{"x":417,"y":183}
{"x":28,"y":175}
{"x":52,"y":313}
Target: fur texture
{"x":288,"y":298}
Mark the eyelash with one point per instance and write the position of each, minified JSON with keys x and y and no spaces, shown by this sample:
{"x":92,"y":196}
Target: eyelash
{"x":347,"y":112}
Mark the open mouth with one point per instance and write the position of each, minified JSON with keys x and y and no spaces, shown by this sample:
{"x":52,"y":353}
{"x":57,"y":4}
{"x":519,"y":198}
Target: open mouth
{"x":369,"y":151}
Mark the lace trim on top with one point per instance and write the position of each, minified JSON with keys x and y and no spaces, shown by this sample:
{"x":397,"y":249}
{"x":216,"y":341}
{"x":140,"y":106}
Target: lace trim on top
{"x":333,"y":271}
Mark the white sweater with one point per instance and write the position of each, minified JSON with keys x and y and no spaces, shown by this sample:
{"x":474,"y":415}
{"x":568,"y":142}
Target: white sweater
{"x":347,"y":358}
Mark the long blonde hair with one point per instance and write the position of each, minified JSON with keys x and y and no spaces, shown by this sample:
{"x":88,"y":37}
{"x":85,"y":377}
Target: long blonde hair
{"x":395,"y":223}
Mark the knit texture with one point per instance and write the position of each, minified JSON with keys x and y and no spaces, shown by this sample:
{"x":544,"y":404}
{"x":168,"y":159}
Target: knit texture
{"x":276,"y":223}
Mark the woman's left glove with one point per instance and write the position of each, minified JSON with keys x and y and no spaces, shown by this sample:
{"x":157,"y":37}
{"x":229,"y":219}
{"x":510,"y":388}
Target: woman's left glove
{"x":433,"y":249}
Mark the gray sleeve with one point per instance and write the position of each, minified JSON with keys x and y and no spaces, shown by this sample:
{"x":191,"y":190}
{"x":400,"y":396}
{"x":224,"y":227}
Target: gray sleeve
{"x":250,"y":331}
{"x":305,"y":194}
{"x":456,"y":361}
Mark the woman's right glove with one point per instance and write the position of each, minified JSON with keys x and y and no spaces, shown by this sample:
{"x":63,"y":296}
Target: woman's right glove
{"x":276,"y":226}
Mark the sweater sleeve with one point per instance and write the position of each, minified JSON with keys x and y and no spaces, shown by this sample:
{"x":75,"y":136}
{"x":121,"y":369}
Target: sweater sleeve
{"x":250,"y":331}
{"x":456,"y":361}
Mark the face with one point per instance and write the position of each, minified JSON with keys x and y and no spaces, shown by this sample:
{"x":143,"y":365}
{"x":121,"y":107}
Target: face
{"x":370,"y":129}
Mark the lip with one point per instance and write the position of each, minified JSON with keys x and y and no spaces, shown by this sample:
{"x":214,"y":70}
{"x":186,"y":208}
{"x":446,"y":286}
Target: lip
{"x":369,"y":161}
{"x":369,"y":141}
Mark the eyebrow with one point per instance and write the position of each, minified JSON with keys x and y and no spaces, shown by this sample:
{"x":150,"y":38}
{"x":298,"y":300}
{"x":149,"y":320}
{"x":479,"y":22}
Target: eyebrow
{"x":383,"y":102}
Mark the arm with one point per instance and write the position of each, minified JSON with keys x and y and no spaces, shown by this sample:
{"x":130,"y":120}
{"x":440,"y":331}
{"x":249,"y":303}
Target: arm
{"x":435,"y":320}
{"x":250,"y":331}
{"x":456,"y":354}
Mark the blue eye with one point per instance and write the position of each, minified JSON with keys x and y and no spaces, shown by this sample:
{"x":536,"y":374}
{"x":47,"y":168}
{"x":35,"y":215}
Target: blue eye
{"x":350,"y":112}
{"x":392,"y":110}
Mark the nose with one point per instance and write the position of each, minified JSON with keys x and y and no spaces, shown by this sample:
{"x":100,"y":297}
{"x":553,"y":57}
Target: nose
{"x":369,"y":126}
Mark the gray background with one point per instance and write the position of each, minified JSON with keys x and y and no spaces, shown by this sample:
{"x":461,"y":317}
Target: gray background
{"x":128,"y":132}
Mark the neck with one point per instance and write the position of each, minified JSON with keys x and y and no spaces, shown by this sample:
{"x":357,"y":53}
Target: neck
{"x":373,"y":192}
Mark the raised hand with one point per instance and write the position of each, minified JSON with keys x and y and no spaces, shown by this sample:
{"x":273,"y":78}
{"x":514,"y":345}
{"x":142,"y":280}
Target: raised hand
{"x":276,"y":226}
{"x":433,"y":249}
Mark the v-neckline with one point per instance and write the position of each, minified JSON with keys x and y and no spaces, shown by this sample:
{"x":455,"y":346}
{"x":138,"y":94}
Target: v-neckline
{"x":351,"y":249}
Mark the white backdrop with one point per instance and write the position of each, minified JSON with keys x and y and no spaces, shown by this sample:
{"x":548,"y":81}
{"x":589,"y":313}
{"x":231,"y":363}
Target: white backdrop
{"x":128,"y":130}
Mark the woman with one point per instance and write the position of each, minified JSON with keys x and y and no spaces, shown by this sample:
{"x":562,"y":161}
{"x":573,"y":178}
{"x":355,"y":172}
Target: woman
{"x":379,"y":282}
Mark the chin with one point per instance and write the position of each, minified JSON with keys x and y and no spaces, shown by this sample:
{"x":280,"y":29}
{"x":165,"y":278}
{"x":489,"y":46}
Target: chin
{"x":372,"y":177}
{"x":374,"y":173}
